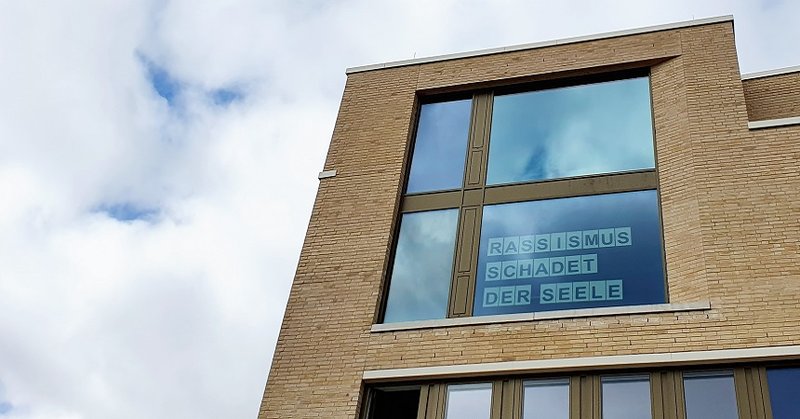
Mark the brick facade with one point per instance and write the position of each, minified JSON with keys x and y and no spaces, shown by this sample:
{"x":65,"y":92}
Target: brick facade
{"x":730,"y":200}
{"x":773,"y":97}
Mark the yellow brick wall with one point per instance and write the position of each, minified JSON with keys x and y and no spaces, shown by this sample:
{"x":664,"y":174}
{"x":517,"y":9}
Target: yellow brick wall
{"x":773,"y":97}
{"x":730,"y":204}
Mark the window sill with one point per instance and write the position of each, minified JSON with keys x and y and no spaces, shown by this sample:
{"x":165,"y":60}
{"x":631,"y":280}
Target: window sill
{"x":541,"y":315}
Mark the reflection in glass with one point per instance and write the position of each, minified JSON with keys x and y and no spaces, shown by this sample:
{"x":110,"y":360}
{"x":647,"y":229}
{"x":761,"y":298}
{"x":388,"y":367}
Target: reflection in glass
{"x":784,"y":388}
{"x":423,"y":260}
{"x":571,"y":131}
{"x":570,"y":253}
{"x":440,"y":147}
{"x":546,"y":399}
{"x":626,"y":398}
{"x":469,"y":401}
{"x":710,"y":396}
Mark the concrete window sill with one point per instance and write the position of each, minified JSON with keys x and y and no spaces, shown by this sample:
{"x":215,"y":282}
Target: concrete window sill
{"x":542,"y":315}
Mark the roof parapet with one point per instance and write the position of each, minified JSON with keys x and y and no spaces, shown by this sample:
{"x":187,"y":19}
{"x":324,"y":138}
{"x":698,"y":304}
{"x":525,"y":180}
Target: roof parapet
{"x":564,"y":41}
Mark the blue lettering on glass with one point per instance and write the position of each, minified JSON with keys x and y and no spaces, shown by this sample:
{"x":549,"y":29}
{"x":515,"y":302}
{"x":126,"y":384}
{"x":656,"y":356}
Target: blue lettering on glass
{"x":580,"y":291}
{"x":510,"y":269}
{"x":511,"y":245}
{"x":496,"y":247}
{"x":570,"y":253}
{"x":526,"y":244}
{"x":556,"y":242}
{"x":519,"y":295}
{"x":570,"y":292}
{"x":590,"y":239}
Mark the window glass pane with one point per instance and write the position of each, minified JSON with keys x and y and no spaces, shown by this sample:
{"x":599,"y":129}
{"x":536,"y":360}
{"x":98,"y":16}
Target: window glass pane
{"x":710,"y":396}
{"x":568,"y":253}
{"x":423,"y":260}
{"x":546,"y":399}
{"x":440,"y":147}
{"x":784,"y":389}
{"x":571,"y":131}
{"x":473,"y":401}
{"x":626,"y":398}
{"x":395,"y":404}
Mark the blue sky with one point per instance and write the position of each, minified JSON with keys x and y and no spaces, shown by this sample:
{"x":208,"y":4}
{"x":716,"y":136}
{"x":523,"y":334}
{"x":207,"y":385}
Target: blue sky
{"x":158,"y":164}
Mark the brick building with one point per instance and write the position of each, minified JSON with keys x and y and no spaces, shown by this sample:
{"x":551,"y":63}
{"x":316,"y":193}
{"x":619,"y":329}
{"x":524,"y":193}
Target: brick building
{"x":606,"y":226}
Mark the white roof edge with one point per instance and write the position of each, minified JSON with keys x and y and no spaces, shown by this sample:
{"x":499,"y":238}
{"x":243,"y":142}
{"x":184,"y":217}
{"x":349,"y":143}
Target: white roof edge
{"x":490,"y":51}
{"x":773,"y":123}
{"x":767,"y":73}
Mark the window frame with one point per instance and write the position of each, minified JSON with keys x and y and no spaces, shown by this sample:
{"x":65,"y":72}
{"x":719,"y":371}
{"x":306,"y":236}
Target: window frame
{"x":474,"y":193}
{"x":667,"y":393}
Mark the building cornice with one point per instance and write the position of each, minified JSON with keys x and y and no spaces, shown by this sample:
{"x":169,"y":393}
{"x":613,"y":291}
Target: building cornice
{"x":774,"y":123}
{"x":521,"y":47}
{"x":769,"y":73}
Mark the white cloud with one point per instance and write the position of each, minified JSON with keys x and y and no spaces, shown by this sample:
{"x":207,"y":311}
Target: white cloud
{"x":176,"y":316}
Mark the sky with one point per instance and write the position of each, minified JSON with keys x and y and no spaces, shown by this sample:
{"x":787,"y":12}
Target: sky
{"x":158,"y":163}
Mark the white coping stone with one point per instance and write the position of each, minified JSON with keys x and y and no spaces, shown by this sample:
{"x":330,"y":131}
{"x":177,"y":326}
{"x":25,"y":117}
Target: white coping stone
{"x":541,"y":315}
{"x":326,"y":174}
{"x":772,"y":123}
{"x":768,"y":73}
{"x":596,"y":362}
{"x":490,"y":51}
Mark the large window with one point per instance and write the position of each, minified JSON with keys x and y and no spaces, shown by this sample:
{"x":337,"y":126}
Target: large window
{"x":728,"y":393}
{"x":530,"y":200}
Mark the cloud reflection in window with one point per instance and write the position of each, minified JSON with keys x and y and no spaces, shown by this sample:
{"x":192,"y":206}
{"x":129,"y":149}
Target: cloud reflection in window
{"x":440,"y":148}
{"x":571,"y":131}
{"x":423,"y":262}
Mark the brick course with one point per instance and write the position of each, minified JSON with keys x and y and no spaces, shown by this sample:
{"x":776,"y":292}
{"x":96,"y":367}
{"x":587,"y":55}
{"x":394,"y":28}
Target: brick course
{"x":730,"y":204}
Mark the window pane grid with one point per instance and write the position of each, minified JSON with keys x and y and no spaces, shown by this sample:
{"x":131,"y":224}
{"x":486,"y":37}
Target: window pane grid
{"x":584,"y":140}
{"x":690,"y":394}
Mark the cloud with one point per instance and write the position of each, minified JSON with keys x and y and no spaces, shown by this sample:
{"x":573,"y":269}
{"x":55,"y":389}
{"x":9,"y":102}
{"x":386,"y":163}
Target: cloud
{"x":158,"y":165}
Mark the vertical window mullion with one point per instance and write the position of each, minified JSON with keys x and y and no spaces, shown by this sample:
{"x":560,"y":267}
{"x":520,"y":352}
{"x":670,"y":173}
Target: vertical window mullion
{"x":762,"y":374}
{"x":587,"y":402}
{"x":477,"y":152}
{"x":465,"y":261}
{"x":432,"y":401}
{"x":667,"y":395}
{"x":575,"y":397}
{"x":750,"y":393}
{"x":497,"y":400}
{"x":506,"y":399}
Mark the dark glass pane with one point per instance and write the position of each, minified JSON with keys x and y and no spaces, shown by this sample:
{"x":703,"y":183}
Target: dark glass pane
{"x":440,"y":147}
{"x":420,"y":279}
{"x":710,"y":396}
{"x":395,"y":404}
{"x":589,"y":251}
{"x":571,"y":131}
{"x":784,"y":392}
{"x":469,"y":401}
{"x":626,"y":398}
{"x":546,"y":399}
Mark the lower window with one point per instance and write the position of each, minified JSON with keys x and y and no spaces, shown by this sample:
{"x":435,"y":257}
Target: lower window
{"x":569,"y":253}
{"x":719,"y":393}
{"x":523,"y":257}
